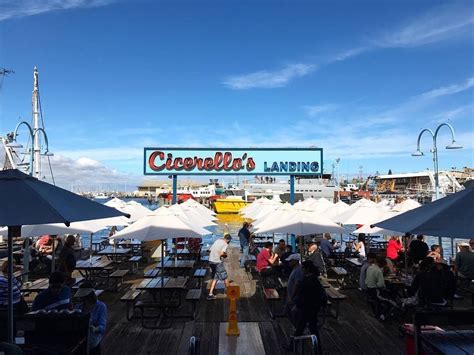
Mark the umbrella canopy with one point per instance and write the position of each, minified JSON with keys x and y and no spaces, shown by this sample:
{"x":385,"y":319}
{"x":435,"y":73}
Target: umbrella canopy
{"x":30,"y":201}
{"x":406,"y":205}
{"x":276,"y":216}
{"x":451,"y":216}
{"x":303,"y":223}
{"x":159,"y":227}
{"x":198,"y":207}
{"x":361,"y":215}
{"x":335,"y":210}
{"x":190,"y":216}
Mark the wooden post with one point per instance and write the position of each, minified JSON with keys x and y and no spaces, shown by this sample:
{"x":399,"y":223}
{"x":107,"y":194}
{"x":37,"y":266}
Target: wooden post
{"x":233,"y":293}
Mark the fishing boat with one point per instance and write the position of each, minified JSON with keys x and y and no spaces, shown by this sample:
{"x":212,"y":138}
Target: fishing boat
{"x":230,"y":204}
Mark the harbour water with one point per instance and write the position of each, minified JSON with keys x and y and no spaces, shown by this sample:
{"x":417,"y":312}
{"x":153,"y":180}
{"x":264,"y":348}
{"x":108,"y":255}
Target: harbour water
{"x":231,"y":223}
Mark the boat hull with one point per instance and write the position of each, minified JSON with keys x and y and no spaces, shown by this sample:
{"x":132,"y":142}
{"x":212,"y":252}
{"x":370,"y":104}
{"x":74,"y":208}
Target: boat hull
{"x":228,"y":205}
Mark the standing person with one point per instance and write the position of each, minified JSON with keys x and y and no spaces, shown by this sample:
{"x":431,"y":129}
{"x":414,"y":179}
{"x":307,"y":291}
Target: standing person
{"x":360,"y":245}
{"x":57,"y":296}
{"x":394,"y":247}
{"x":218,"y":252}
{"x":375,"y":283}
{"x":326,"y":247}
{"x":98,"y":315}
{"x":418,"y":249}
{"x":309,"y":298}
{"x":464,"y":262}
{"x":296,"y":276}
{"x":67,"y":259}
{"x":315,"y":257}
{"x":244,"y":238}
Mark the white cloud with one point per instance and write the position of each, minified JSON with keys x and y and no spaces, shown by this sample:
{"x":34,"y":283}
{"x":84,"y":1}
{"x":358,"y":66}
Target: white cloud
{"x":442,"y":23}
{"x":449,"y":90}
{"x":21,"y":8}
{"x":269,"y":79}
{"x":316,"y":110}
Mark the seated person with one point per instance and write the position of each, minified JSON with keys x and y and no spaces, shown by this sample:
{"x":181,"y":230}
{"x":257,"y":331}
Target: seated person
{"x":375,"y":283}
{"x":348,"y":250}
{"x":98,"y":315}
{"x":315,"y":257}
{"x":417,"y":250}
{"x":435,"y":253}
{"x":464,"y":262}
{"x":19,"y":304}
{"x":363,"y":270}
{"x":45,"y":245}
{"x":57,"y":296}
{"x":280,"y":248}
{"x":266,"y":259}
{"x":447,"y":278}
{"x":67,"y":258}
{"x":428,"y":284}
{"x":194,"y":244}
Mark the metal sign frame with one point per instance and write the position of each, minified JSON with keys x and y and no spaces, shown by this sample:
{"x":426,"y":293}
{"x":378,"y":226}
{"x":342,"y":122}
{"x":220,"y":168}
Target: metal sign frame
{"x":318,"y":151}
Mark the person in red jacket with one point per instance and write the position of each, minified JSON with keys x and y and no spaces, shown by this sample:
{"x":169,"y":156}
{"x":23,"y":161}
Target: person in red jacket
{"x":394,"y":247}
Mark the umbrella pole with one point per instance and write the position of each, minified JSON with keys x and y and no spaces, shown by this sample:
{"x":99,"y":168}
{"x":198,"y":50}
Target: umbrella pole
{"x":162,"y":261}
{"x":53,"y":264}
{"x":90,"y":249}
{"x":12,"y":230}
{"x":440,"y":243}
{"x":26,"y":260}
{"x":406,"y":254}
{"x":452,"y":249}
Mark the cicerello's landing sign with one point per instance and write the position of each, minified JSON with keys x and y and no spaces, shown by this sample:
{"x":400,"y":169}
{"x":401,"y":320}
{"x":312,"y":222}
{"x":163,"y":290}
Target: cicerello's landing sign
{"x":233,"y":161}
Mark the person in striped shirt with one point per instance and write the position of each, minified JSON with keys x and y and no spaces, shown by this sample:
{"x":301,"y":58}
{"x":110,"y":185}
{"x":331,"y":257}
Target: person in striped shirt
{"x":4,"y":288}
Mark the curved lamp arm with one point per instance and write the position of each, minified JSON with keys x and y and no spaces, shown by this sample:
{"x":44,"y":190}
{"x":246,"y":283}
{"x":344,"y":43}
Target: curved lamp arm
{"x":418,"y":151}
{"x":453,"y":144}
{"x":45,"y":138}
{"x":15,"y":132}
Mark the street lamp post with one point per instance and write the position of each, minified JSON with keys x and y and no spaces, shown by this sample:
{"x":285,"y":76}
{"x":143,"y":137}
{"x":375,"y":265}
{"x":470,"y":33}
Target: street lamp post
{"x":434,"y":150}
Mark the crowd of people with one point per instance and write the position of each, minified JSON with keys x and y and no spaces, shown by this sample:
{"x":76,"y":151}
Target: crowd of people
{"x":59,"y":296}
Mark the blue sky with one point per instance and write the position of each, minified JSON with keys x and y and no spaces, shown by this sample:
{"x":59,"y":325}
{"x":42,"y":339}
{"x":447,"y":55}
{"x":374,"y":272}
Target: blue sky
{"x":359,"y":79}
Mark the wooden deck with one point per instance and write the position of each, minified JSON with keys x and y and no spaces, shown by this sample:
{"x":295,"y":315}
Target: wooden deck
{"x":356,"y":331}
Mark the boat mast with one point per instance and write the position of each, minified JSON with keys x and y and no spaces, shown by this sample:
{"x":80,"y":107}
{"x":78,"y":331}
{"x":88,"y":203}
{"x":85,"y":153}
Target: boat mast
{"x":36,"y":126}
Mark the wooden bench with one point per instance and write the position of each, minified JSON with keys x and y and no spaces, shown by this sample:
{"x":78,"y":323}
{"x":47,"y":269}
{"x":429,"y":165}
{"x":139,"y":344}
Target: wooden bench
{"x":135,"y":260}
{"x":271,"y":296}
{"x":152,"y":273}
{"x":199,"y":275}
{"x":117,"y":277}
{"x":335,"y":297}
{"x":130,"y":298}
{"x":341,"y":274}
{"x":193,"y":296}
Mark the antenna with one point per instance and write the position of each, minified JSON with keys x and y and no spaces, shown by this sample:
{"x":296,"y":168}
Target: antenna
{"x":4,"y":72}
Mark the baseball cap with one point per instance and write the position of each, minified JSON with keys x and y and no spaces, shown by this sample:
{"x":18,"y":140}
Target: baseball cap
{"x":83,"y":292}
{"x":463,"y":244}
{"x":295,"y":257}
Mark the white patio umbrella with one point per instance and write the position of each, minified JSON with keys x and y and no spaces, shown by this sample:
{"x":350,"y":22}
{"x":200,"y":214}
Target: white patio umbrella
{"x":302,"y":223}
{"x":253,"y":204}
{"x":333,"y":211}
{"x":115,"y":202}
{"x":194,"y":204}
{"x":406,"y":205}
{"x":190,"y":216}
{"x":276,"y":216}
{"x":160,"y":227}
{"x":361,"y":215}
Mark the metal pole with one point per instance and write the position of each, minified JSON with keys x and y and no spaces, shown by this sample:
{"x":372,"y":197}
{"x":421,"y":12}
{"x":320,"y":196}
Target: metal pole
{"x":53,"y":261}
{"x":175,"y":189}
{"x":292,"y":202}
{"x":36,"y":139}
{"x":90,"y":249}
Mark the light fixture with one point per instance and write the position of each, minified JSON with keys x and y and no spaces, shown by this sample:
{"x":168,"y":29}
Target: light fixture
{"x":418,"y":153}
{"x":14,"y":144}
{"x":454,"y":145}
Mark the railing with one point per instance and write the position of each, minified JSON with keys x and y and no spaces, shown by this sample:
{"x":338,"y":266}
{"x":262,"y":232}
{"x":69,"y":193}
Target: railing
{"x":299,"y":342}
{"x":193,"y":346}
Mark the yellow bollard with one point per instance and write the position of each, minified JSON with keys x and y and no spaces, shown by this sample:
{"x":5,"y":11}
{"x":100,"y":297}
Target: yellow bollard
{"x":233,"y":293}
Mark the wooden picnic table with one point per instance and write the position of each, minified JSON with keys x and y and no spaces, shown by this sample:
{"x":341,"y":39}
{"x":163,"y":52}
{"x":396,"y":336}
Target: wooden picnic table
{"x":166,"y":293}
{"x":176,"y":266}
{"x":449,"y":342}
{"x":35,"y":286}
{"x":115,"y":253}
{"x":354,"y":262}
{"x":92,"y":268}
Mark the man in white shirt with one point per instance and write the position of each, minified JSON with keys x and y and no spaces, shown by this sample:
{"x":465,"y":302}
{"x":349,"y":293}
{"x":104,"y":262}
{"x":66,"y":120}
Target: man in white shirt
{"x":217,"y":252}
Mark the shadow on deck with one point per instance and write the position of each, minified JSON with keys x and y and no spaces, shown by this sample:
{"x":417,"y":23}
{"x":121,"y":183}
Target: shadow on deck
{"x":356,"y":330}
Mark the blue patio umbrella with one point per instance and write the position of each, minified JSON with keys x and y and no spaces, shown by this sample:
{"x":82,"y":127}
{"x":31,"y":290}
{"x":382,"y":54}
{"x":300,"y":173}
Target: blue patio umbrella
{"x":451,"y":216}
{"x":26,"y":200}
